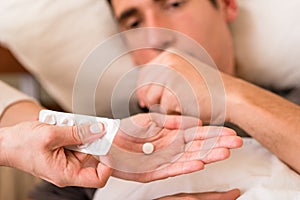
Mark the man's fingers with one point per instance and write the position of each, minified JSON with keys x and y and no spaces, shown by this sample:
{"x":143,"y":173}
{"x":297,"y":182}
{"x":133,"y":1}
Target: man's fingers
{"x":216,"y":142}
{"x":177,"y":168}
{"x":206,"y":156}
{"x":153,"y":96}
{"x":229,"y":195}
{"x":169,"y":102}
{"x":141,"y":94}
{"x":174,"y":169}
{"x":205,"y":132}
{"x":175,"y":121}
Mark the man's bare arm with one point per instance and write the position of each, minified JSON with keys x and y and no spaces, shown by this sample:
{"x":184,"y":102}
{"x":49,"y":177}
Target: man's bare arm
{"x":268,"y":118}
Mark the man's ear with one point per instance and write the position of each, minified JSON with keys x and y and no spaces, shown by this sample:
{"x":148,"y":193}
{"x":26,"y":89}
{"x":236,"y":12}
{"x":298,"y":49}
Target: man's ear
{"x":230,"y":9}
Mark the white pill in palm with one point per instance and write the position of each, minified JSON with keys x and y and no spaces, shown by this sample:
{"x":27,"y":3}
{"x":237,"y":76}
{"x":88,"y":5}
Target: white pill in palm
{"x":148,"y":148}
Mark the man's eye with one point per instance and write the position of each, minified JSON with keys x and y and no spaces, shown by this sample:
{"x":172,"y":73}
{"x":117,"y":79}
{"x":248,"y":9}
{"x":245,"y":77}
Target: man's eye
{"x":134,"y":24}
{"x":131,"y":24}
{"x":174,"y":4}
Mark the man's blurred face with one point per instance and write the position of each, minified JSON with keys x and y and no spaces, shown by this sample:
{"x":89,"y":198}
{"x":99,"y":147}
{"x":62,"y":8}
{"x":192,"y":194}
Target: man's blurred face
{"x":198,"y":19}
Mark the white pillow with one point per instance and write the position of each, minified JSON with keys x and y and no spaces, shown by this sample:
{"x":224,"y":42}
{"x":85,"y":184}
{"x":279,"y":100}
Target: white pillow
{"x":51,"y":38}
{"x":267,"y":42}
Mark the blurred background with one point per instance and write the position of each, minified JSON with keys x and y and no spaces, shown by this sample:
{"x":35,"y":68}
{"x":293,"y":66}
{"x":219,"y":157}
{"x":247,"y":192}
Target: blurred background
{"x":15,"y":184}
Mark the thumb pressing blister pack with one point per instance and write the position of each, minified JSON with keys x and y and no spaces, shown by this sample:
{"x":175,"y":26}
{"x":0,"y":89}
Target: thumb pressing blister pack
{"x":98,"y":147}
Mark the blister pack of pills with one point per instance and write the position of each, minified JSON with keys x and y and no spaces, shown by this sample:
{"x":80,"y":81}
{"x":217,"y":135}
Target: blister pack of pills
{"x":99,"y":146}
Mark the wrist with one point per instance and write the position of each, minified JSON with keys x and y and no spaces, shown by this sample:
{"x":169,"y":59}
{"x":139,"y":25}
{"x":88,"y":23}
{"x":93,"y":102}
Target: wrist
{"x":245,"y":99}
{"x":237,"y":99}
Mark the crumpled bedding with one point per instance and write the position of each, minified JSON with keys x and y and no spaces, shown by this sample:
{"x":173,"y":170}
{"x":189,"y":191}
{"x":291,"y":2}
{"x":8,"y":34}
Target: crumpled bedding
{"x":252,"y":168}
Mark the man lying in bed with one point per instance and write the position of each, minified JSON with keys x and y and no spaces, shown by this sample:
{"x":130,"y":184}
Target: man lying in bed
{"x":207,"y":23}
{"x":265,"y":116}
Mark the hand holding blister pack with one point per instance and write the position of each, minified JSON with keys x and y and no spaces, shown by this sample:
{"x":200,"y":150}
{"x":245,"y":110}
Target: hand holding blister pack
{"x":98,"y":147}
{"x":151,"y":141}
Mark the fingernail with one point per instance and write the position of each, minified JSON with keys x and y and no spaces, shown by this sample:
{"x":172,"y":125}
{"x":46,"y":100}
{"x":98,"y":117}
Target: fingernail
{"x":91,"y":132}
{"x":97,"y":128}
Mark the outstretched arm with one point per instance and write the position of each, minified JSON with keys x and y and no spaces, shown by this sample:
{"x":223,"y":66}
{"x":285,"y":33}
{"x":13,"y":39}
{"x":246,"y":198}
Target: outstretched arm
{"x":268,"y":118}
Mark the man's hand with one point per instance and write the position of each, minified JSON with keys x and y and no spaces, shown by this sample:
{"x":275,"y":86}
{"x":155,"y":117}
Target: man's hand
{"x":229,"y":195}
{"x":38,"y":149}
{"x":181,"y":84}
{"x":181,"y":145}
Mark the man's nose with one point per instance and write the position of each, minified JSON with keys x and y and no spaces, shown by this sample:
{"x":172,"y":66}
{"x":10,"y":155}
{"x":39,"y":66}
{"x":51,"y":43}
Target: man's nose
{"x":160,"y":38}
{"x":158,"y":35}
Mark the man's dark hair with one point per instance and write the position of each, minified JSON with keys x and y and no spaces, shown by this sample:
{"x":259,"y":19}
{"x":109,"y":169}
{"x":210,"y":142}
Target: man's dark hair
{"x":214,"y":2}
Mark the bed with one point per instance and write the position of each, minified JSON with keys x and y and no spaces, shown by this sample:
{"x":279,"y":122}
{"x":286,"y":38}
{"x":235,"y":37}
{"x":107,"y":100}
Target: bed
{"x":267,"y":55}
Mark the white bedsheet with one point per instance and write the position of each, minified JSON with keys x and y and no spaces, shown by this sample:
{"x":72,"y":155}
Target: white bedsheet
{"x":252,"y":169}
